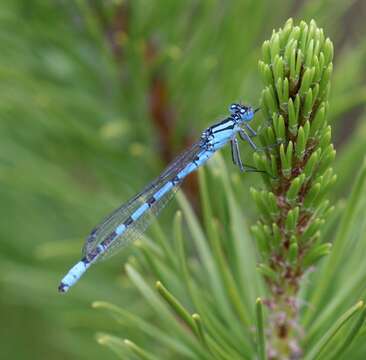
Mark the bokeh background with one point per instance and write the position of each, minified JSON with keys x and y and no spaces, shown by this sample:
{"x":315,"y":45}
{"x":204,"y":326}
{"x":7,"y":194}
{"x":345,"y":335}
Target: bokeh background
{"x":96,"y":97}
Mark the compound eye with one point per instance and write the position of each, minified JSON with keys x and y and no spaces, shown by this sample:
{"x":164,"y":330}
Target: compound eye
{"x":233,"y":108}
{"x":249,"y":115}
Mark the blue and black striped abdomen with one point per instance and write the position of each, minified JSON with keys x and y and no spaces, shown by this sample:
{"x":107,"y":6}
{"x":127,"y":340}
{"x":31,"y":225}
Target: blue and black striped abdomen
{"x":127,"y":223}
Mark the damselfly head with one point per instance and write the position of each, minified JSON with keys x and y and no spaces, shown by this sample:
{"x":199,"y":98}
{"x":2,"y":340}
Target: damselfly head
{"x":246,"y":113}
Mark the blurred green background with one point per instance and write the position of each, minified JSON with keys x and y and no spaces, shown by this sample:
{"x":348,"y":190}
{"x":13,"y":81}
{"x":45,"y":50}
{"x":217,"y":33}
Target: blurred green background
{"x":95,"y":98}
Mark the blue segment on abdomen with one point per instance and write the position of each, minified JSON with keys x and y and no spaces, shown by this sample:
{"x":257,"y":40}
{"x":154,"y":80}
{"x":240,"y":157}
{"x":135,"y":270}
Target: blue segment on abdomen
{"x":74,"y":275}
{"x":187,"y":170}
{"x":203,"y":158}
{"x":120,"y":229}
{"x":139,"y":211}
{"x":163,"y":190}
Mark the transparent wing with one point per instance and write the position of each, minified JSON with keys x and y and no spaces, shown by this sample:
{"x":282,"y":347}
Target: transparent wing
{"x":138,"y":227}
{"x":118,"y":216}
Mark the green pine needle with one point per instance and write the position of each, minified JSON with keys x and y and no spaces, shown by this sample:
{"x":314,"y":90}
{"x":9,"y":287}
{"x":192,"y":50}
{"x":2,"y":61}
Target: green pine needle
{"x":260,"y":331}
{"x":316,"y":351}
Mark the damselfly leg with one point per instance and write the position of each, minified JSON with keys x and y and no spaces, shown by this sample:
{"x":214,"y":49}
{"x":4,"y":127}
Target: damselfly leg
{"x":235,"y":154}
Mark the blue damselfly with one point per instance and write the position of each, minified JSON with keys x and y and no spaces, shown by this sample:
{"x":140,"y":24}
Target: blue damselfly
{"x":130,"y":220}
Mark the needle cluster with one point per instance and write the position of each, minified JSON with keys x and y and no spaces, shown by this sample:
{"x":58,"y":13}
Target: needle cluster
{"x":296,"y":67}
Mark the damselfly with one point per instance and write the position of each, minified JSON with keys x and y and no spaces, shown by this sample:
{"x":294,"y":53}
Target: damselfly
{"x":130,"y":220}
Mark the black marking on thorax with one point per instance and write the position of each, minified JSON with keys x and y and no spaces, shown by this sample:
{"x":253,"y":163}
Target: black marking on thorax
{"x":217,"y":127}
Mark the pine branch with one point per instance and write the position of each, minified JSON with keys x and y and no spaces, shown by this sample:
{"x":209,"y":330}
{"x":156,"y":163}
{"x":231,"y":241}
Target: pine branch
{"x":296,"y":69}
